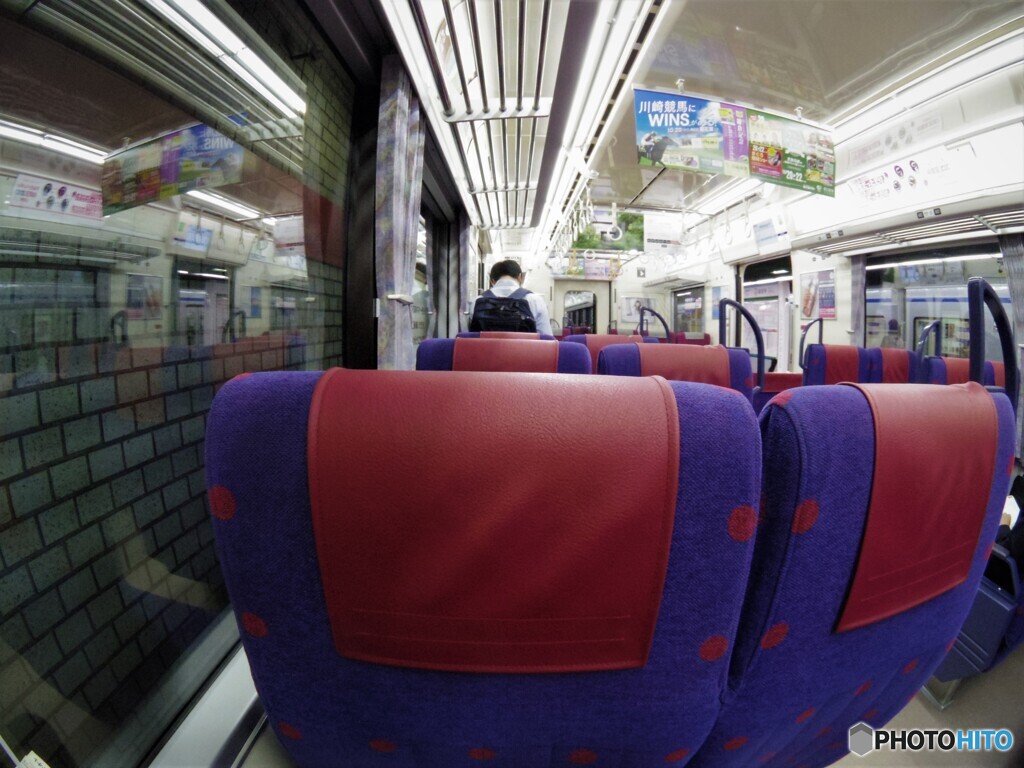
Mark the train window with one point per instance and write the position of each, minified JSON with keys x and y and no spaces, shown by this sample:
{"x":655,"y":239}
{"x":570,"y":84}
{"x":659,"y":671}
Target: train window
{"x":908,"y":292}
{"x":579,"y":311}
{"x":422,"y":311}
{"x":134,"y":281}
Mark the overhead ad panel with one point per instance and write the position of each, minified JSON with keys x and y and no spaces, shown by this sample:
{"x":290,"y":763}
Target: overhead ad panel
{"x":197,"y":157}
{"x":697,"y":134}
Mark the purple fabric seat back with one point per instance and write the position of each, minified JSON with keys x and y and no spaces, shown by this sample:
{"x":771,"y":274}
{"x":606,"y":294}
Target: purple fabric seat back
{"x":624,"y":360}
{"x":834,"y":363}
{"x":798,"y":685}
{"x":328,"y":710}
{"x":439,"y":354}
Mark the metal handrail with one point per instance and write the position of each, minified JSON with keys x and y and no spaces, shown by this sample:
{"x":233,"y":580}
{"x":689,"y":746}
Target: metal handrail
{"x":803,"y":338}
{"x":935,"y":326}
{"x":723,"y":306}
{"x":979,"y":295}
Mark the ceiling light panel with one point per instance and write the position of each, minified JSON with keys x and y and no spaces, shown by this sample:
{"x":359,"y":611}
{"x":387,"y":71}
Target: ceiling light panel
{"x":496,"y":65}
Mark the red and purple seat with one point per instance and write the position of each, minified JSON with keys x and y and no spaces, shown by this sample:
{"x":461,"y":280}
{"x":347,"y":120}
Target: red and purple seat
{"x":688,"y":337}
{"x":894,"y":366}
{"x":774,"y":383}
{"x":595,"y":342}
{"x":501,"y":354}
{"x":717,"y":365}
{"x":836,"y":363}
{"x":956,"y":370}
{"x":407,"y":596}
{"x":880,"y":505}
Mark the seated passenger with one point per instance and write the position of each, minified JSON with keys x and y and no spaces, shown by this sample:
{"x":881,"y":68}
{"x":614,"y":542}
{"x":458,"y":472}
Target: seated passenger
{"x":507,"y":306}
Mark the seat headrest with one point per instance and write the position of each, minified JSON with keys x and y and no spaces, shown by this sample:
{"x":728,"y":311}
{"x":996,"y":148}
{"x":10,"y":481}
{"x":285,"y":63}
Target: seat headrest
{"x":451,"y":534}
{"x":836,"y":363}
{"x":898,"y":365}
{"x":501,"y":354}
{"x":597,"y":341}
{"x":935,"y":453}
{"x":502,"y":335}
{"x":679,"y":362}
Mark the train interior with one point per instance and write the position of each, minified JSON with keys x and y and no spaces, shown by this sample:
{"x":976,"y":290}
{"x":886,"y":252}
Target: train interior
{"x":799,"y":192}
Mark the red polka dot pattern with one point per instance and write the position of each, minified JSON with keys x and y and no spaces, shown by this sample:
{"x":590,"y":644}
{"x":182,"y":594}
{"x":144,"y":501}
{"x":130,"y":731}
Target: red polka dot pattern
{"x":949,"y":647}
{"x":775,"y":635}
{"x":864,"y":688}
{"x":823,"y":731}
{"x":482,"y":753}
{"x":736,"y":743}
{"x":289,"y":731}
{"x":911,"y":666}
{"x":239,"y":377}
{"x":677,"y":756}
{"x":869,"y":714}
{"x":807,"y":714}
{"x":583,"y":757}
{"x":1009,"y":469}
{"x":222,"y":502}
{"x":836,"y":745}
{"x":748,"y":382}
{"x":766,"y":757}
{"x":254,"y":625}
{"x":781,"y":399}
{"x":713,"y":648}
{"x":383,"y":745}
{"x":742,"y":523}
{"x":805,"y":517}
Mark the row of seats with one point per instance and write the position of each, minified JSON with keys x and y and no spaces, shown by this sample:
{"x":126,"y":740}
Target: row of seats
{"x":421,"y":580}
{"x":834,"y":363}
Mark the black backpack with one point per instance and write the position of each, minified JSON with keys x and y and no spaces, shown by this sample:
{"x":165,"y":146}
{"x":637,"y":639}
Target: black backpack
{"x":503,"y":313}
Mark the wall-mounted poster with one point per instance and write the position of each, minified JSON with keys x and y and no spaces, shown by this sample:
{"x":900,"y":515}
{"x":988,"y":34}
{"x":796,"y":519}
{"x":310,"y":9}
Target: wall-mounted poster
{"x":818,"y":295}
{"x":631,"y":307}
{"x":256,"y":302}
{"x":145,"y":297}
{"x":690,"y":133}
{"x":192,"y":158}
{"x":716,"y":296}
{"x":56,"y":198}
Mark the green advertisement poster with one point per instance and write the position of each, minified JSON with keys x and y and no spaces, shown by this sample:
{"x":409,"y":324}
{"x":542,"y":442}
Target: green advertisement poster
{"x":791,"y":153}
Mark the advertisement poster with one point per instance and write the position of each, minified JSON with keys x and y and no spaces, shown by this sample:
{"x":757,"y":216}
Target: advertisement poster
{"x":716,"y":296}
{"x":290,"y":243}
{"x":63,"y":200}
{"x":197,"y":157}
{"x":690,"y":133}
{"x":191,"y":238}
{"x":663,"y":233}
{"x":791,"y":153}
{"x":631,"y":307}
{"x":145,"y":297}
{"x":818,"y":295}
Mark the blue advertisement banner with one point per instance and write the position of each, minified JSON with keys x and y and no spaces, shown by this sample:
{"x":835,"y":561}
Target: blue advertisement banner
{"x":197,"y":157}
{"x":690,"y":133}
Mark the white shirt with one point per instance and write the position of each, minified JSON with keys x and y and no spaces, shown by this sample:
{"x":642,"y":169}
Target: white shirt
{"x":506,"y":286}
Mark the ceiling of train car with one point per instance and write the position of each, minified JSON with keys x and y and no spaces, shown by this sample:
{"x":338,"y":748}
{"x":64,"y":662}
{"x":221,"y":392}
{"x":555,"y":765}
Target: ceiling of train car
{"x":823,"y":59}
{"x":826,"y":59}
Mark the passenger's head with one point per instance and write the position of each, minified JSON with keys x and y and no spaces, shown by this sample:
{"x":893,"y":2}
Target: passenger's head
{"x":507,"y":268}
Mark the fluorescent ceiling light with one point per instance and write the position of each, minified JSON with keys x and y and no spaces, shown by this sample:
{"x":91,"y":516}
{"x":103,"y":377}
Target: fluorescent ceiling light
{"x":768,"y":280}
{"x":225,"y":204}
{"x":52,"y":142}
{"x":729,"y":196}
{"x":917,"y":262}
{"x":209,"y":274}
{"x":779,"y":272}
{"x":203,"y":27}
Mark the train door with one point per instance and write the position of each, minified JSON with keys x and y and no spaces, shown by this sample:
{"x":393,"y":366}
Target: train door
{"x":203,"y":303}
{"x":575,"y":303}
{"x":767,"y":292}
{"x":688,"y":310}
